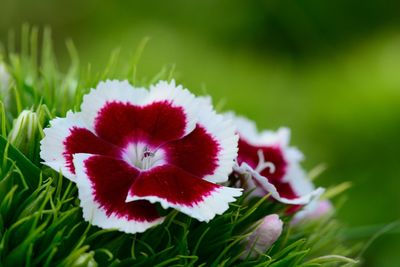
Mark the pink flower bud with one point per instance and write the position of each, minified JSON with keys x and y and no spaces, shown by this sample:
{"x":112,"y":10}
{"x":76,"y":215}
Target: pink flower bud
{"x":265,"y":235}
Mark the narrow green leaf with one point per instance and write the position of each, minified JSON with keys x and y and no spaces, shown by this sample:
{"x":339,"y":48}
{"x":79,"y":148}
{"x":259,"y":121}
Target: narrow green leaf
{"x":30,"y":171}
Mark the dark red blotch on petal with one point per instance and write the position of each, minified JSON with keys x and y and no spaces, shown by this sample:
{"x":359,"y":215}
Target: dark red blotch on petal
{"x":111,"y":179}
{"x":82,"y":140}
{"x":196,"y":153}
{"x":285,"y":190}
{"x":172,"y":184}
{"x":155,"y":123}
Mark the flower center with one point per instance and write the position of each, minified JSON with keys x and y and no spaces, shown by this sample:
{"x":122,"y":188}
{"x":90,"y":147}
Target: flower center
{"x":142,"y":156}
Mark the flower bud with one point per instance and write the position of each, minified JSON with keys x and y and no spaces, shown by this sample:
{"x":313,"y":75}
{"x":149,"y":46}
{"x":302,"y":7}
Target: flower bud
{"x":24,"y":130}
{"x":265,"y":235}
{"x":85,"y":260}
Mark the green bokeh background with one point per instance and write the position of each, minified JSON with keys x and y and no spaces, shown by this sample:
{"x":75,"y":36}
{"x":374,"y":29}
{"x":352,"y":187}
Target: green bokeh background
{"x":330,"y":70}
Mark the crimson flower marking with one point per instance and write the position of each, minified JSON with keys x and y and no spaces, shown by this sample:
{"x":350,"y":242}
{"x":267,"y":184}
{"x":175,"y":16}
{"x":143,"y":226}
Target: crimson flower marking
{"x":271,"y":166}
{"x":129,"y":148}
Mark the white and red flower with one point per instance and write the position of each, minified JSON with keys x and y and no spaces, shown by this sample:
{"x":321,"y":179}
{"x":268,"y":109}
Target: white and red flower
{"x":129,"y":148}
{"x":271,"y":165}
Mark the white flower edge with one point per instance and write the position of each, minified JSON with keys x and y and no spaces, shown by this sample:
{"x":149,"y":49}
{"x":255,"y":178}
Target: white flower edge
{"x":247,"y":129}
{"x":52,"y":146}
{"x":216,"y":203}
{"x":223,"y":131}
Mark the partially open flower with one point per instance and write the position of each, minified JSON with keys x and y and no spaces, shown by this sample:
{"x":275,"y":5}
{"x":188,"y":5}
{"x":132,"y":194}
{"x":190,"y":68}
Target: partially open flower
{"x":270,"y":165}
{"x":130,"y":147}
{"x":264,"y":236}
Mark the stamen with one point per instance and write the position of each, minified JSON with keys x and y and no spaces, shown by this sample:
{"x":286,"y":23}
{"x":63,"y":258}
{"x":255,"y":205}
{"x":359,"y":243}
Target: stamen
{"x":147,"y":158}
{"x":143,"y":157}
{"x":262,"y":164}
{"x":147,"y":154}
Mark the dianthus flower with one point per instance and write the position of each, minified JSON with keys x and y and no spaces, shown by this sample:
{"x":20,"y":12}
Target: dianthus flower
{"x":129,"y":148}
{"x":270,"y":165}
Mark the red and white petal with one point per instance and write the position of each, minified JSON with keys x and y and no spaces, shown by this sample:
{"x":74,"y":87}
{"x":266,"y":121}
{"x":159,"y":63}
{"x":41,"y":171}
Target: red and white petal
{"x":295,"y":175}
{"x":52,"y":147}
{"x":223,"y":131}
{"x":175,"y":188}
{"x":263,"y":182}
{"x":120,"y":113}
{"x":196,"y":153}
{"x":67,"y":136}
{"x":107,"y":92}
{"x":209,"y":151}
{"x":178,"y":97}
{"x":103,"y":184}
{"x":298,"y":179}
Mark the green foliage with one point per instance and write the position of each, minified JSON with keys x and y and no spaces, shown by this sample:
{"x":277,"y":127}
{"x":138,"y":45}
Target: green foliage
{"x":40,"y":219}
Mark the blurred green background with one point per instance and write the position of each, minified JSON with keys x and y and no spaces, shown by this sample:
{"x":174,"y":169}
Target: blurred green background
{"x":330,"y":70}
